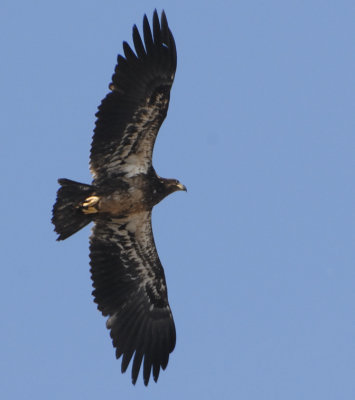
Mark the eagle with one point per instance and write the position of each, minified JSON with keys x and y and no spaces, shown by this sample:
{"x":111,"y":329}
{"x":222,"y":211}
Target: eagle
{"x":128,"y":278}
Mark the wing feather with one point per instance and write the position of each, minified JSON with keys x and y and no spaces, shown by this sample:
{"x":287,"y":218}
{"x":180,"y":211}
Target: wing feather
{"x":129,"y":117}
{"x":156,"y":30}
{"x":138,"y":44}
{"x":130,"y":288}
{"x":148,"y":38}
{"x":129,"y":53}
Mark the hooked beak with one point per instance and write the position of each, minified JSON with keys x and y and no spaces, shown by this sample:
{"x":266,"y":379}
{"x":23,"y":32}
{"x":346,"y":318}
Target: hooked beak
{"x":180,"y":186}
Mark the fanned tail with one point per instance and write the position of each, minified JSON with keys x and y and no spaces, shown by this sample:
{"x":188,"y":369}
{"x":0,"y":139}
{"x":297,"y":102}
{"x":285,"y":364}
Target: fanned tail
{"x":68,"y":217}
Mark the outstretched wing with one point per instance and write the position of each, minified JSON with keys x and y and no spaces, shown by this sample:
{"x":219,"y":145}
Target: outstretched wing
{"x":130,"y":288}
{"x":130,"y":116}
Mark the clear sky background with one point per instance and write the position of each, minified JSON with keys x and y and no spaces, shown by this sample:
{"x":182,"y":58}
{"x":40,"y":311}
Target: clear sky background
{"x":259,"y":254}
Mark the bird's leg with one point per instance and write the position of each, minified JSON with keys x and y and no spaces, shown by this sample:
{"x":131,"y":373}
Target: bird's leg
{"x":89,"y":205}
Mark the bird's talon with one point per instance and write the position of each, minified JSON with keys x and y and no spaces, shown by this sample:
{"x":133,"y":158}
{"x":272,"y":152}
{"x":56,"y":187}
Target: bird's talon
{"x":89,"y":204}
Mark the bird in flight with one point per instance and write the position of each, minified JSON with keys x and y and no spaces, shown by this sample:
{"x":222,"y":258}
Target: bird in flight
{"x":128,"y":278}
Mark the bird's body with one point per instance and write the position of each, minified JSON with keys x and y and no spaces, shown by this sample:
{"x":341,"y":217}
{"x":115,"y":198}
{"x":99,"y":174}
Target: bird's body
{"x":130,"y":195}
{"x":128,"y":278}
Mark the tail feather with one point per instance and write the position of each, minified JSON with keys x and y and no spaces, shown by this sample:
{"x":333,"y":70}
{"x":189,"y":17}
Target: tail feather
{"x":68,"y":218}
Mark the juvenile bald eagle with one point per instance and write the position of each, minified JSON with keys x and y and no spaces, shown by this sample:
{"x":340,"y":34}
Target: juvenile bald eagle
{"x":128,"y":278}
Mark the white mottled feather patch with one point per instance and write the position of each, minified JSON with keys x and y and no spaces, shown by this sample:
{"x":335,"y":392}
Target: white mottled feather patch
{"x":133,"y":155}
{"x":134,"y":237}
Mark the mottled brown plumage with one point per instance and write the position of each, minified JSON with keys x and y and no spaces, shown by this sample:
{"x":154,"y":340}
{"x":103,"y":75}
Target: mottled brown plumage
{"x":134,"y":195}
{"x":128,"y":278}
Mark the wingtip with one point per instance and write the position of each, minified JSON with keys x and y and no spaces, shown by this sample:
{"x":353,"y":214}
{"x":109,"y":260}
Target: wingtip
{"x":163,"y":17}
{"x":145,"y":21}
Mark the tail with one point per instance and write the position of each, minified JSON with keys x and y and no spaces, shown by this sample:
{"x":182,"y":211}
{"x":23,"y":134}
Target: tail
{"x":68,"y":217}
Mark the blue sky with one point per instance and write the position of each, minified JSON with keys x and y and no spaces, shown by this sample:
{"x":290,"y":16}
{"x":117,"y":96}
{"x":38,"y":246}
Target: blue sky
{"x":259,"y":254}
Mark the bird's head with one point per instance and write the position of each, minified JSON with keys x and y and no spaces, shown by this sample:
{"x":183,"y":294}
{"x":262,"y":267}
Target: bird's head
{"x":173,"y":185}
{"x":163,"y":187}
